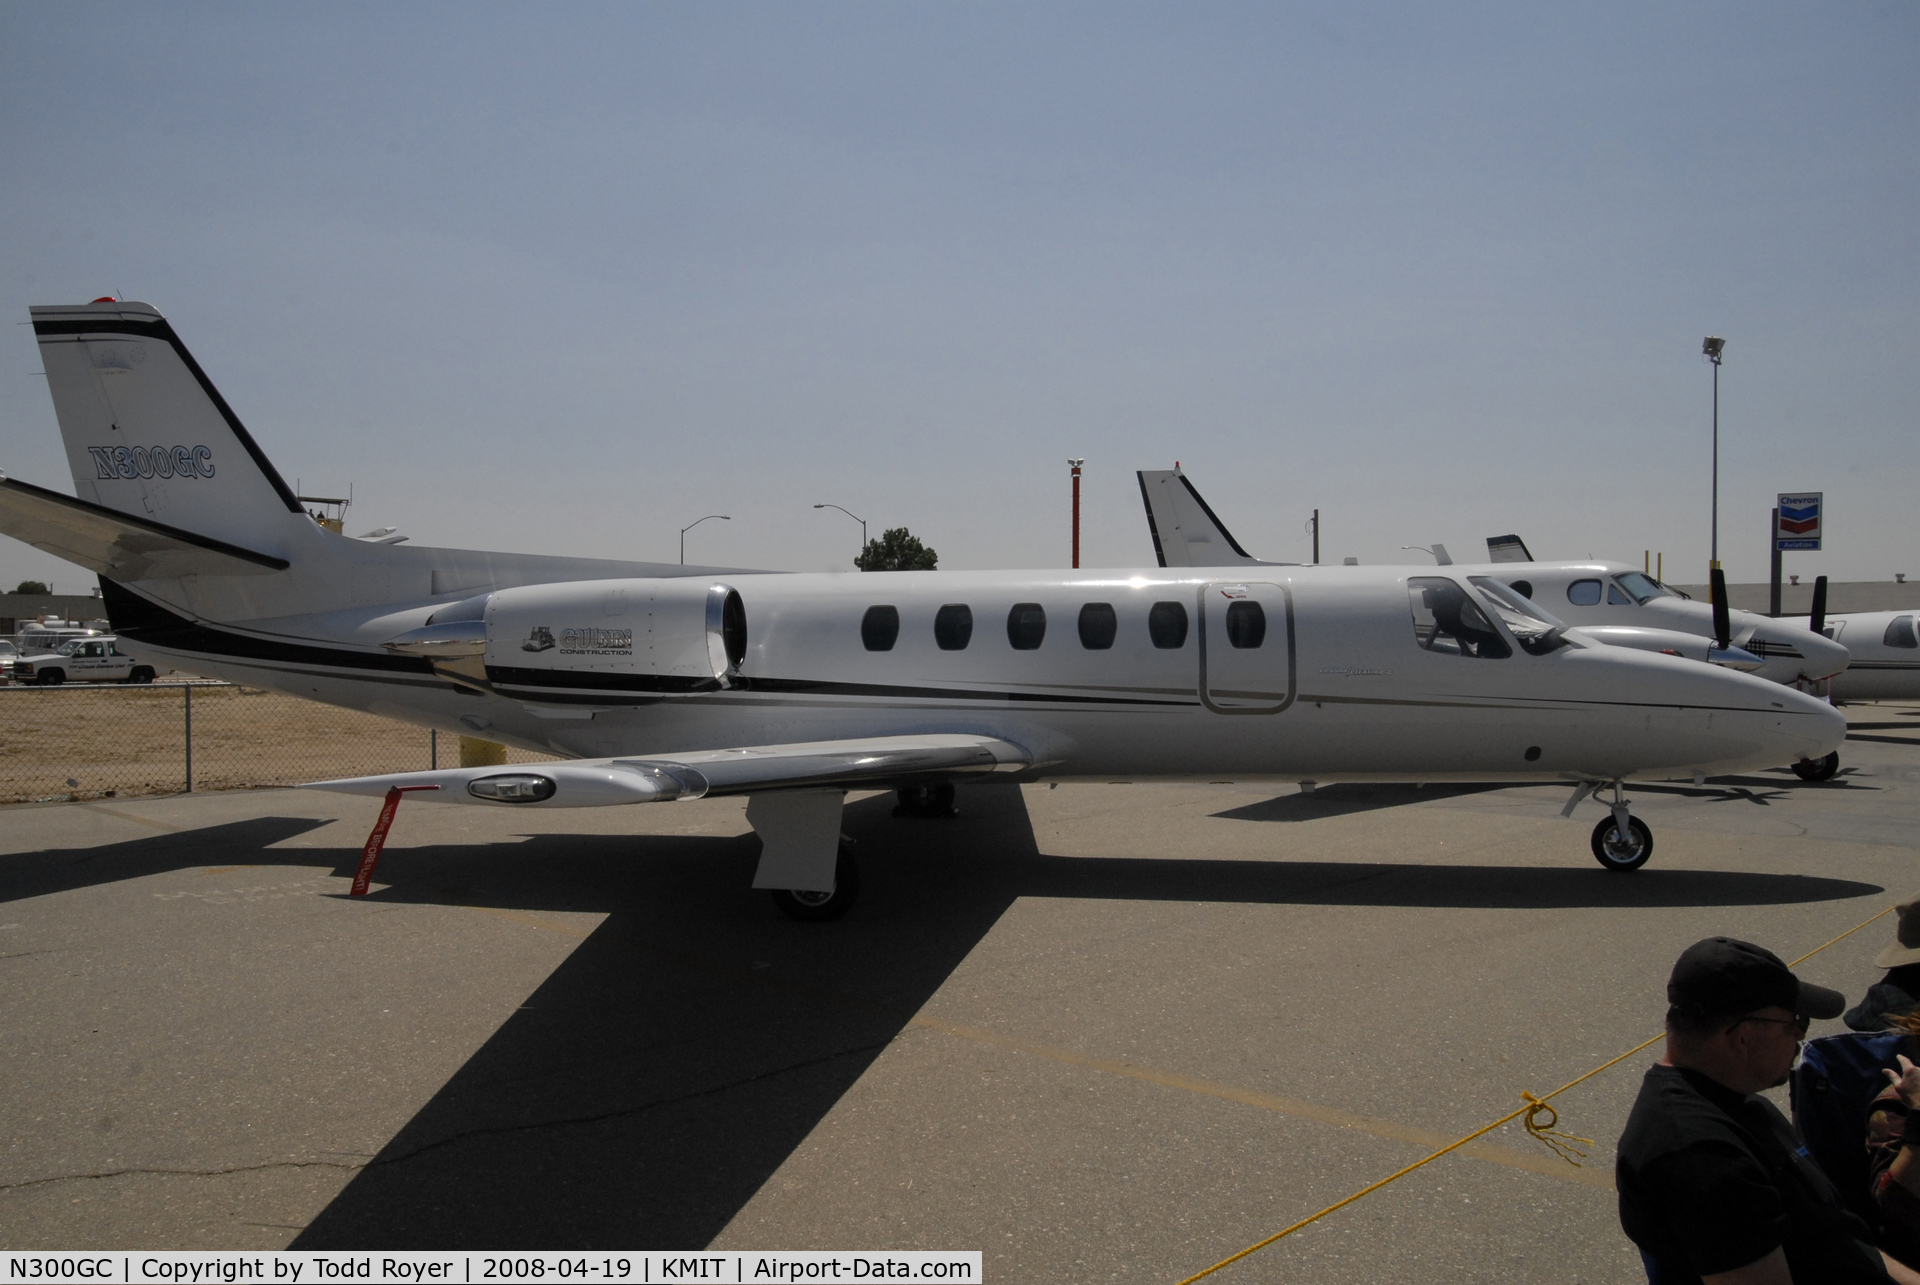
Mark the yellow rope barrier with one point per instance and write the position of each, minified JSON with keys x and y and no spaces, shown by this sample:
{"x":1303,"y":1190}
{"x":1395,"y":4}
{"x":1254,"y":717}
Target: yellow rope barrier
{"x":1544,"y":1131}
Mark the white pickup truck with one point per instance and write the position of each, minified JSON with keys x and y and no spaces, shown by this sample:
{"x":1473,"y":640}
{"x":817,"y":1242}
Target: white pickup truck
{"x":84,"y":660}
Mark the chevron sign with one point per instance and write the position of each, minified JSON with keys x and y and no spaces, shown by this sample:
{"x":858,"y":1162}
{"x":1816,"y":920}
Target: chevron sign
{"x":1799,"y":525}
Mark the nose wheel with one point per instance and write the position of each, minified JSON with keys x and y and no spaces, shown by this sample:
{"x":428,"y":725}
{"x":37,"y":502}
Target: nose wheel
{"x":1622,"y":852}
{"x":813,"y":907}
{"x":1821,"y":769}
{"x":1622,"y":841}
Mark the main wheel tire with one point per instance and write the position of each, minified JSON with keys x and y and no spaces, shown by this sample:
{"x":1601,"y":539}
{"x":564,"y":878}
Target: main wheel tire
{"x":1617,"y":855}
{"x":141,"y":674}
{"x":51,"y":677}
{"x":819,"y":907}
{"x":1818,"y":769}
{"x":926,"y":801}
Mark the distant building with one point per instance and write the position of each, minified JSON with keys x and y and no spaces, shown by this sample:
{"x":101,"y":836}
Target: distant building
{"x":17,"y":609}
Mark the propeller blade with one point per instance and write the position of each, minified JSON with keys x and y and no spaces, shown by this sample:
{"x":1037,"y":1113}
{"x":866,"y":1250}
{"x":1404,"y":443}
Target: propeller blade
{"x":1722,"y":622}
{"x":1818,"y":621}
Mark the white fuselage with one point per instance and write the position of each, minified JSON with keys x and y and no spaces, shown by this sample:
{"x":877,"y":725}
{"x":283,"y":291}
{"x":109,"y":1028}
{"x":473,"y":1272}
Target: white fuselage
{"x":1885,"y":647}
{"x":1338,"y":687}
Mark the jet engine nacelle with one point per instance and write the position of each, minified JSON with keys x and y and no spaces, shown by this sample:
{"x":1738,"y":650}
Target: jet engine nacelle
{"x":685,"y":635}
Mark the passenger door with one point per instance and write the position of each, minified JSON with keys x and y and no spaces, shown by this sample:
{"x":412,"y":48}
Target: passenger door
{"x":1246,"y":647}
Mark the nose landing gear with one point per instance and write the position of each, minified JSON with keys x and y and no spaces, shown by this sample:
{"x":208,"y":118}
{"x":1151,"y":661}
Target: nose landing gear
{"x":1622,"y":841}
{"x":1821,"y":769}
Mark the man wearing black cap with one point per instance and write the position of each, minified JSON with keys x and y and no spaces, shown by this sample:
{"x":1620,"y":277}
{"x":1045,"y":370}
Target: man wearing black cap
{"x":1714,"y":1183}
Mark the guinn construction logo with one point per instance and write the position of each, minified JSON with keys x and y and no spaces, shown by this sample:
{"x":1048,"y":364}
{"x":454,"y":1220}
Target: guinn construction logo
{"x":580,"y":642}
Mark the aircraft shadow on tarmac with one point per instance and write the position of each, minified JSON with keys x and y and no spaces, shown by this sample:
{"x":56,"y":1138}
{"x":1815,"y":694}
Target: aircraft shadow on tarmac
{"x":664,"y":1072}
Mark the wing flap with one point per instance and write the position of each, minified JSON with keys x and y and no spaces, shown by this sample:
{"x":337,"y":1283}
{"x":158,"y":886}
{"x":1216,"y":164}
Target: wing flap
{"x":873,"y":763}
{"x":119,"y":545}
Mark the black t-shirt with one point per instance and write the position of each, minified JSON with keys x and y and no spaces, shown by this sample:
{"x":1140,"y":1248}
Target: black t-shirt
{"x":1711,"y":1180}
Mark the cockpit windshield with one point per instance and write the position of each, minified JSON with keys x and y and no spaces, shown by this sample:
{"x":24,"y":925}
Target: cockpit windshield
{"x":1532,"y":627}
{"x":1642,"y":587}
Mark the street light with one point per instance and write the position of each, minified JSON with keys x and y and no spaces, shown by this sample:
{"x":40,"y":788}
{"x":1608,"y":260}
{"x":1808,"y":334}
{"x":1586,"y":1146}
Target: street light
{"x":862,"y":563}
{"x":690,"y":526}
{"x":1711,"y":347}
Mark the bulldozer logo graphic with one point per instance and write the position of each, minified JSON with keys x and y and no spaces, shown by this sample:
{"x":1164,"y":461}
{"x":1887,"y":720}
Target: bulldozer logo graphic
{"x":541,"y":639}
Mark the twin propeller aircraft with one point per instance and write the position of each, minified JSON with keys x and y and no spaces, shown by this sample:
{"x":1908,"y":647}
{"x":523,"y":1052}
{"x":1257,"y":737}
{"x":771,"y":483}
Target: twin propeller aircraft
{"x":660,"y":682}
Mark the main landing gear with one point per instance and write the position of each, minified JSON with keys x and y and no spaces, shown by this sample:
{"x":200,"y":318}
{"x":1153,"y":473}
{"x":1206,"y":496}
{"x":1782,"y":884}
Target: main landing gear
{"x":1622,"y":841}
{"x":1821,"y":769}
{"x":926,"y":801}
{"x":819,"y":907}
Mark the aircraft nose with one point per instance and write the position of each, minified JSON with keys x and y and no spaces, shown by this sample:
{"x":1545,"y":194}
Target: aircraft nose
{"x":1825,"y":657}
{"x":1809,"y":728}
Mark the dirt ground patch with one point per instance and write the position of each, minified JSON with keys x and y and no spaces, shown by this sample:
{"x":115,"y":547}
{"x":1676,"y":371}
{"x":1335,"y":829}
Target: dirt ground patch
{"x":98,"y":742}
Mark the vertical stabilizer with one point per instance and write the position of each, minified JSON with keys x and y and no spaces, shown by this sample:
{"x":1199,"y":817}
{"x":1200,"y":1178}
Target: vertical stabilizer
{"x":147,"y":433}
{"x":1185,"y":531}
{"x":1507,"y":548}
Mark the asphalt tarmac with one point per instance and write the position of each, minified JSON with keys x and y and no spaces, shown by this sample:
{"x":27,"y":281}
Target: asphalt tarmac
{"x":1098,"y":1032}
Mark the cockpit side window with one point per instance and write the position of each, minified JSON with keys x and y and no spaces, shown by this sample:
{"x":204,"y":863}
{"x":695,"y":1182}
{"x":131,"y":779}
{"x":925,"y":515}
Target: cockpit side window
{"x":1446,"y":620}
{"x":1583,"y":593}
{"x":1642,"y":587}
{"x":1900,"y":633}
{"x":1533,"y":627}
{"x":1617,"y":597}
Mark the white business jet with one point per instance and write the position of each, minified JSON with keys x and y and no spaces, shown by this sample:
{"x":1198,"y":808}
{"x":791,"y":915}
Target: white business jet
{"x":1606,"y":602}
{"x":663,"y":683}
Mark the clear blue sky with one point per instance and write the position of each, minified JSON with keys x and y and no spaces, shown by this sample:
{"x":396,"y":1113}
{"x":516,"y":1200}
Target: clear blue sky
{"x":564,"y":278}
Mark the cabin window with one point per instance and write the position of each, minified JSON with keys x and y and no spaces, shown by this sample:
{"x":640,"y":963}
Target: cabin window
{"x":1446,"y":620}
{"x":1026,"y":626}
{"x":1617,"y":597}
{"x":1246,"y":624}
{"x":1098,"y":625}
{"x":953,"y":627}
{"x":880,"y":628}
{"x":1522,"y":587}
{"x":1167,"y":625}
{"x":1900,"y":633}
{"x":1584,"y":593}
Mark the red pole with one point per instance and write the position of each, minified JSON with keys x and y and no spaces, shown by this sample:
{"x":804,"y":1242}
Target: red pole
{"x":1076,"y":511}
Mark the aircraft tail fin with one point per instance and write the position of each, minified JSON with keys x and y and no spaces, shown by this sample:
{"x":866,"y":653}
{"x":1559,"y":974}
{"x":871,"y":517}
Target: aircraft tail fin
{"x":1507,"y":548}
{"x":148,"y":435}
{"x":1186,"y":532}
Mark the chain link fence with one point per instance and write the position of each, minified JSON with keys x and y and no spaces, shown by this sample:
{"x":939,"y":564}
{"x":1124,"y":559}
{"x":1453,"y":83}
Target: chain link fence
{"x":68,"y":743}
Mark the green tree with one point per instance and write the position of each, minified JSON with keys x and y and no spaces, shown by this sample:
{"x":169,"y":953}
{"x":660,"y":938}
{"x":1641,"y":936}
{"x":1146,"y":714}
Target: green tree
{"x":897,"y":550}
{"x":31,"y":586}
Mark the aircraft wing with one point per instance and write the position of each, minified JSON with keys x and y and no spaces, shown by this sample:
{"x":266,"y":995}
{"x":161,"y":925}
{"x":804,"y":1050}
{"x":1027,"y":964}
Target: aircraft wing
{"x":1186,"y":533}
{"x":119,"y":545}
{"x":880,"y":762}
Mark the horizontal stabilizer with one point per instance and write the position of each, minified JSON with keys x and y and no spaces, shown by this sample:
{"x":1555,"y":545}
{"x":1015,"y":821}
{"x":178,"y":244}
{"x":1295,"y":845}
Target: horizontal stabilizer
{"x":876,"y":763}
{"x":1507,"y":548}
{"x":1186,"y":533}
{"x":119,"y":545}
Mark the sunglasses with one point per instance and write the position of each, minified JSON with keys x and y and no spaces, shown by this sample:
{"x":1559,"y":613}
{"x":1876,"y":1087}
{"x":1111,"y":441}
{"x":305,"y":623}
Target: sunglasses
{"x":1799,"y":1024}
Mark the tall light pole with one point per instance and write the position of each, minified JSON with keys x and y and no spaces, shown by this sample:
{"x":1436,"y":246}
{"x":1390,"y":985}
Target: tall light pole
{"x":1076,"y":511}
{"x":1711,"y":347}
{"x":690,"y":526}
{"x":862,"y":562}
